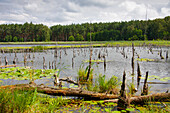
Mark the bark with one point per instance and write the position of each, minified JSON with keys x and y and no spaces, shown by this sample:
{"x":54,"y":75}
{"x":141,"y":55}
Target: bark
{"x":139,"y":75}
{"x":145,"y":86}
{"x":8,"y":66}
{"x":133,"y":58}
{"x":63,"y":92}
{"x":88,"y":73}
{"x":69,"y":81}
{"x":147,"y":98}
{"x":123,"y":101}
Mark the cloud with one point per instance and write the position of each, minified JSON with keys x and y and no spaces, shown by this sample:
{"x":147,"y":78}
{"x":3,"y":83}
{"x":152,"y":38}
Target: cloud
{"x":166,"y":10}
{"x":51,"y":12}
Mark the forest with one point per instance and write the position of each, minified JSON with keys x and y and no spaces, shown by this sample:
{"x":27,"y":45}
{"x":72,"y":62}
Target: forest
{"x":158,"y":29}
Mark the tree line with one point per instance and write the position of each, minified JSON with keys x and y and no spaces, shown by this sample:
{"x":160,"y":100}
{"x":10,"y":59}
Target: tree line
{"x":158,"y":29}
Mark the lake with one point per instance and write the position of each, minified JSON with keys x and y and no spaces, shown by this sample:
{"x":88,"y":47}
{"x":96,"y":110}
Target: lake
{"x":70,"y":60}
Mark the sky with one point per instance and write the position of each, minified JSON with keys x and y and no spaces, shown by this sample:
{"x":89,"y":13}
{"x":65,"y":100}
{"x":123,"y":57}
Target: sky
{"x":65,"y":12}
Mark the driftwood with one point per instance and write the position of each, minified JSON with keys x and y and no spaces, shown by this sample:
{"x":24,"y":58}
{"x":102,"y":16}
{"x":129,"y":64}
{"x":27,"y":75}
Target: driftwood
{"x":69,"y":81}
{"x":63,"y":92}
{"x":147,"y":98}
{"x":157,"y":82}
{"x":8,"y":66}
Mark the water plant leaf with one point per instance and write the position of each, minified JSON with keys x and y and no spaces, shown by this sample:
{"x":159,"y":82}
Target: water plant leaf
{"x":22,"y":73}
{"x":146,"y":60}
{"x":130,"y":109}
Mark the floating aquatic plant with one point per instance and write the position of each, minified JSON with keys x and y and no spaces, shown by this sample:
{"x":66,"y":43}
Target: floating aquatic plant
{"x":146,"y":60}
{"x":22,"y":73}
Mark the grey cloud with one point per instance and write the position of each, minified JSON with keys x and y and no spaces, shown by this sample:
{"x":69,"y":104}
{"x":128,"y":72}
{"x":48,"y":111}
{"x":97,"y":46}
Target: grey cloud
{"x":79,"y":11}
{"x":88,"y":3}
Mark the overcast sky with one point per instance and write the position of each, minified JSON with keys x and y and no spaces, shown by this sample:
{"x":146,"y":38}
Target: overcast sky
{"x":64,"y":12}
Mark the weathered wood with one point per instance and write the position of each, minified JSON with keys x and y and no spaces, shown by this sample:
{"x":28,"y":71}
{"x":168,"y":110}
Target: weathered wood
{"x":104,"y":63}
{"x":145,"y":86}
{"x":56,"y":80}
{"x":69,"y":81}
{"x":8,"y":66}
{"x":88,"y":73}
{"x":78,"y":92}
{"x":43,"y":62}
{"x":14,"y":61}
{"x":159,"y":97}
{"x":122,"y":91}
{"x":157,"y":82}
{"x":161,"y":54}
{"x":123,"y":102}
{"x":0,"y":60}
{"x":139,"y":75}
{"x":6,"y":61}
{"x":133,"y":64}
{"x":167,"y":55}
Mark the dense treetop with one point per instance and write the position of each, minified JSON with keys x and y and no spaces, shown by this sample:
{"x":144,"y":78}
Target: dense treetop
{"x":112,"y":31}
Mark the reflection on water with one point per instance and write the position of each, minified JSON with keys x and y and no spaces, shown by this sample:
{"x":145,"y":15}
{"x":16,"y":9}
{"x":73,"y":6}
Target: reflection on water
{"x":118,"y":60}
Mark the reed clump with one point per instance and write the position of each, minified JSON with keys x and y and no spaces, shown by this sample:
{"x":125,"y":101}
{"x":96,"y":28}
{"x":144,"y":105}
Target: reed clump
{"x":18,"y":101}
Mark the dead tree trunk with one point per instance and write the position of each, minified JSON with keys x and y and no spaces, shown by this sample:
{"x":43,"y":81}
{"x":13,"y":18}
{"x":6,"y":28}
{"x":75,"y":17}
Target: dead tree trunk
{"x":139,"y":75}
{"x":167,"y":55}
{"x":6,"y":61}
{"x":25,"y":60}
{"x":49,"y":65}
{"x":0,"y":60}
{"x":77,"y":92}
{"x":104,"y":63}
{"x":133,"y":58}
{"x":145,"y":86}
{"x":123,"y":101}
{"x":43,"y":62}
{"x":88,"y":73}
{"x":159,"y":97}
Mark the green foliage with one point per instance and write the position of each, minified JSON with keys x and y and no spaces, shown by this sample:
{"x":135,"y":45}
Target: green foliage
{"x":135,"y":37}
{"x":71,"y":38}
{"x":154,"y":108}
{"x":21,"y":73}
{"x":109,"y":86}
{"x":25,"y":102}
{"x":8,"y":38}
{"x":82,"y":75}
{"x":15,"y":39}
{"x":36,"y":48}
{"x":114,"y":31}
{"x":79,"y":37}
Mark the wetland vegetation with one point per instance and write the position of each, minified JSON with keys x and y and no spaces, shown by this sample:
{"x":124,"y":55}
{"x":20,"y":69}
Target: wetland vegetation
{"x":90,"y":67}
{"x":41,"y":64}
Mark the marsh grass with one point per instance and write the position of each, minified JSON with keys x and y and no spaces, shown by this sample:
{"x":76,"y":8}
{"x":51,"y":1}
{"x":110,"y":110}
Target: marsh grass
{"x":87,"y":44}
{"x":36,"y":48}
{"x":109,"y":86}
{"x":139,"y":43}
{"x":82,"y":75}
{"x":18,"y":101}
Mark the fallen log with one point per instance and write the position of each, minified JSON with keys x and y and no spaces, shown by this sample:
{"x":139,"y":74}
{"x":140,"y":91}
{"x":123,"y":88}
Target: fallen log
{"x":157,"y":82}
{"x":8,"y":66}
{"x":161,"y":97}
{"x":77,"y":92}
{"x":69,"y":81}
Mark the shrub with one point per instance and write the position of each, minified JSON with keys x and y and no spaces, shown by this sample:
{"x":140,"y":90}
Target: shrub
{"x":71,"y":38}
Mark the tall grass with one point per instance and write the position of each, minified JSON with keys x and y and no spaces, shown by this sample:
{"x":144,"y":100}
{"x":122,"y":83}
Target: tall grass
{"x":17,"y":101}
{"x":82,"y":75}
{"x":109,"y":86}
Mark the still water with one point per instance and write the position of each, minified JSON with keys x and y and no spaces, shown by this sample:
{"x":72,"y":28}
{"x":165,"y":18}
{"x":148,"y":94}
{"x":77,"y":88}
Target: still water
{"x":70,"y":60}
